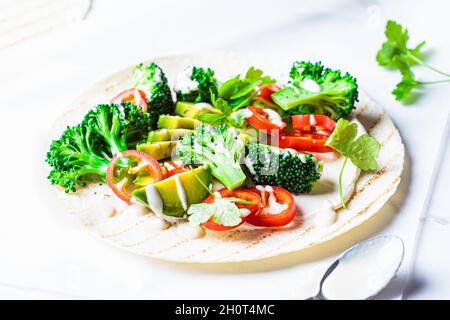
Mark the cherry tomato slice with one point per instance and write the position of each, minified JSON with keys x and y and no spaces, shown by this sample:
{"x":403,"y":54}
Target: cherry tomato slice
{"x":240,"y":193}
{"x":313,"y":122}
{"x":263,"y":219}
{"x":304,"y":141}
{"x":145,"y":163}
{"x":132,"y":95}
{"x":260,"y":120}
{"x":172,"y":168}
{"x":267,"y":91}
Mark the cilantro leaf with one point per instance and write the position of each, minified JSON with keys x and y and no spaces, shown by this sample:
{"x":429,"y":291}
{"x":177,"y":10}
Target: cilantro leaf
{"x":212,"y":118}
{"x":222,"y":211}
{"x":395,"y":54}
{"x":404,"y":88}
{"x":239,"y":92}
{"x":362,"y":152}
{"x":343,"y":133}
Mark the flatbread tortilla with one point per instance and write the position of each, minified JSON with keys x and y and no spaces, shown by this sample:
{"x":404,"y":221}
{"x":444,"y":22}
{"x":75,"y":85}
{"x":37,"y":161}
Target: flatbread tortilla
{"x":105,"y":216}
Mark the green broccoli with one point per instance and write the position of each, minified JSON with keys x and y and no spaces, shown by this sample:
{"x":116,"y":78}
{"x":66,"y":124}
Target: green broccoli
{"x":153,"y":82}
{"x":273,"y":166}
{"x":217,"y":147}
{"x":83,"y":152}
{"x":314,"y":89}
{"x":203,"y":84}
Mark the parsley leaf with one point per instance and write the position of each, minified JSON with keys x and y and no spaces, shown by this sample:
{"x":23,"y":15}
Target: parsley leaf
{"x":395,"y":54}
{"x":362,"y":152}
{"x":234,"y":94}
{"x":223,"y":211}
{"x":237,"y":92}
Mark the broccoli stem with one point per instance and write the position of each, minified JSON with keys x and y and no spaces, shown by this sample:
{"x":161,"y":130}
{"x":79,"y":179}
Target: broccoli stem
{"x":230,"y":176}
{"x":225,"y":169}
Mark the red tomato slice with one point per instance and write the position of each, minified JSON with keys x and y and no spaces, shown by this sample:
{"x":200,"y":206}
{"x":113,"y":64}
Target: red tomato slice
{"x":145,"y":163}
{"x":260,"y":120}
{"x":267,"y":91}
{"x":313,"y":122}
{"x":304,"y":141}
{"x":173,"y":168}
{"x":132,"y":95}
{"x":240,"y":193}
{"x":263,"y":219}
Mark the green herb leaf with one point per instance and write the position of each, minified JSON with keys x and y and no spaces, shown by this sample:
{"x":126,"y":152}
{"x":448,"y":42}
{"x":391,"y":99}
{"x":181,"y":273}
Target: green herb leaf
{"x":223,"y":212}
{"x":363,"y":151}
{"x":404,"y":88}
{"x":395,"y":54}
{"x":212,"y":118}
{"x":342,"y":137}
{"x":239,"y":92}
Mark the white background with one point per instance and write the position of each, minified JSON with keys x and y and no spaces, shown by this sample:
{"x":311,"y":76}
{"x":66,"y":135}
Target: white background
{"x":44,"y":254}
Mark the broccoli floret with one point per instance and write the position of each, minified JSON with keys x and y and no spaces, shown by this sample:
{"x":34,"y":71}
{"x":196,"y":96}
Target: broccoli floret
{"x":328,"y":92}
{"x":196,"y":85}
{"x":73,"y":158}
{"x":273,"y":166}
{"x":82,"y":153}
{"x":217,"y":147}
{"x":153,"y":82}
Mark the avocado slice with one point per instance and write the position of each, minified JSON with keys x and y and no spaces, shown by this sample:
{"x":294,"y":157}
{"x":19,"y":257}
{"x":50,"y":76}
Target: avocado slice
{"x":167,"y":135}
{"x":193,"y":110}
{"x":177,"y":122}
{"x":169,"y":192}
{"x":158,"y":150}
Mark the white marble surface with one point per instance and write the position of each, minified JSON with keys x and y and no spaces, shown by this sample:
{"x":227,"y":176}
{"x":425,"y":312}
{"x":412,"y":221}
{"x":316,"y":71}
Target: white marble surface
{"x":43,"y":254}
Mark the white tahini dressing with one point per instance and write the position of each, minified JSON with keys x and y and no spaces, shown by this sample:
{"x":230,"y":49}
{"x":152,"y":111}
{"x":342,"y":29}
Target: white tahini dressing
{"x":325,"y":194}
{"x":136,"y":209}
{"x":326,"y":216}
{"x":181,"y":192}
{"x":188,"y":231}
{"x":184,"y":82}
{"x":310,"y":85}
{"x":274,"y":117}
{"x":154,"y":200}
{"x":365,"y":270}
{"x":273,"y":207}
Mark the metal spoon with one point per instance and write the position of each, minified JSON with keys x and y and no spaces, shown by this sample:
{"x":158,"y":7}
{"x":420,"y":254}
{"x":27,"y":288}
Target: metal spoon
{"x":382,"y":257}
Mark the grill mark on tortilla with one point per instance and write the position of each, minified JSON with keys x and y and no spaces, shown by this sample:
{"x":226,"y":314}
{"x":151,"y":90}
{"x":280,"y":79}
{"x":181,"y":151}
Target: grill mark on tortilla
{"x":367,"y":207}
{"x":307,"y":230}
{"x":360,"y":212}
{"x":254,"y":243}
{"x":376,"y":122}
{"x":298,"y":222}
{"x":154,"y":253}
{"x":378,"y":174}
{"x":134,"y":244}
{"x":361,"y":109}
{"x":113,"y":235}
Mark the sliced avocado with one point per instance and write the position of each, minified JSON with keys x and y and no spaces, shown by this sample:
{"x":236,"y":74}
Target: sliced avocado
{"x":167,"y":135}
{"x":246,"y":138}
{"x":158,"y":150}
{"x":193,"y":110}
{"x":168,"y":191}
{"x":177,"y":122}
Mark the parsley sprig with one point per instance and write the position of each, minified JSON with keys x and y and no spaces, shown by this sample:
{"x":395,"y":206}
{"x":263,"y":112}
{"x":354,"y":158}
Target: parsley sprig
{"x":362,"y":152}
{"x":234,"y":94}
{"x":395,"y":54}
{"x":223,"y":211}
